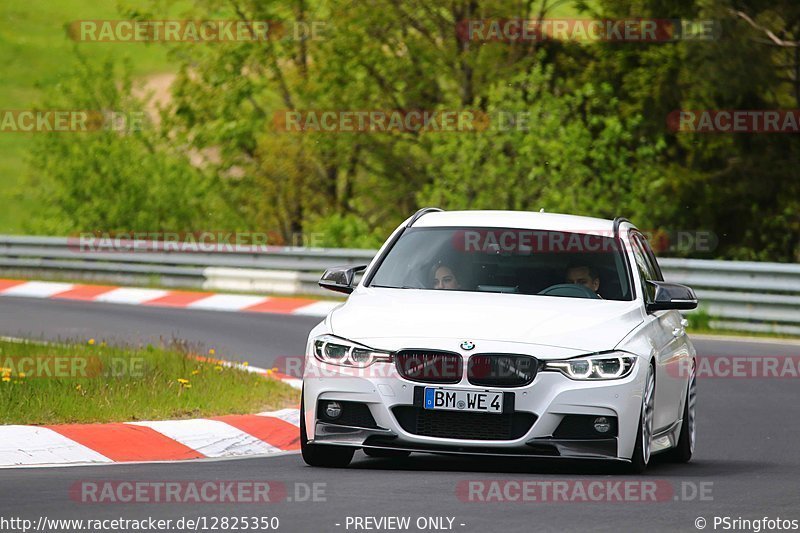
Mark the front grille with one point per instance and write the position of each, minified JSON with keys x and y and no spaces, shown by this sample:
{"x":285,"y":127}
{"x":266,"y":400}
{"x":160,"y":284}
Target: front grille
{"x":429,"y":366}
{"x":468,"y":426}
{"x":501,"y":370}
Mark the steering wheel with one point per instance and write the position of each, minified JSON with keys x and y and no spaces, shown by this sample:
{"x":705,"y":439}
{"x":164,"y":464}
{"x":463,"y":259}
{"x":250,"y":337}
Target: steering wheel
{"x":569,"y":290}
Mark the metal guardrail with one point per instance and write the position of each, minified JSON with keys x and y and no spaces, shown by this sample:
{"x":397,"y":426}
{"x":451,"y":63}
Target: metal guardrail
{"x":745,"y":296}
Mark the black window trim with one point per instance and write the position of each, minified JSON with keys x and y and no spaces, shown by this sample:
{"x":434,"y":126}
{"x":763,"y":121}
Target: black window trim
{"x":379,"y":260}
{"x":650,"y":255}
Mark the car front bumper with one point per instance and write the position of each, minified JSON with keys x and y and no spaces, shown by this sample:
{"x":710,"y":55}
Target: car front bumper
{"x":547,"y":400}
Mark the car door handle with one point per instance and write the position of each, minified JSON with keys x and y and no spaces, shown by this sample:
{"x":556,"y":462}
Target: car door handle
{"x":677,"y":332}
{"x":684,"y":322}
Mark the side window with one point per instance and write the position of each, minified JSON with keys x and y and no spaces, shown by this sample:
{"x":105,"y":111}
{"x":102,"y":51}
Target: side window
{"x":645,"y":269}
{"x":650,"y":256}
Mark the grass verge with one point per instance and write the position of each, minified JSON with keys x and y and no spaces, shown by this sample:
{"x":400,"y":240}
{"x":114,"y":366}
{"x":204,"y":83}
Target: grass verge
{"x":91,"y":382}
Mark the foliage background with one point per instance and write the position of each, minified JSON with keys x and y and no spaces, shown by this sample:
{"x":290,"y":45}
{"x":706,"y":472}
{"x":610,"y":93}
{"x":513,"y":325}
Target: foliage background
{"x":598,"y":142}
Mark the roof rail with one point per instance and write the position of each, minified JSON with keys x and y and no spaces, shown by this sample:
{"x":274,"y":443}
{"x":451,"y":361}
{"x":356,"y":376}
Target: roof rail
{"x":420,"y":213}
{"x":617,"y":222}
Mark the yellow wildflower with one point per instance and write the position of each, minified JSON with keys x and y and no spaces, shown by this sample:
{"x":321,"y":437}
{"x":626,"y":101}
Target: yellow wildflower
{"x":91,"y":342}
{"x":212,"y":351}
{"x":218,"y":368}
{"x":195,"y":372}
{"x":6,"y":378}
{"x":183,"y":381}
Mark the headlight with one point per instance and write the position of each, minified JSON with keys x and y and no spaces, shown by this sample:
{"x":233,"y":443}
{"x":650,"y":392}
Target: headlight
{"x":338,"y":351}
{"x":614,"y":365}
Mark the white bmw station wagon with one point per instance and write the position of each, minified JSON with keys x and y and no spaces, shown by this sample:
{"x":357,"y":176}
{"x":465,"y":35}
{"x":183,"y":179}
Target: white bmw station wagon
{"x":503,"y":333}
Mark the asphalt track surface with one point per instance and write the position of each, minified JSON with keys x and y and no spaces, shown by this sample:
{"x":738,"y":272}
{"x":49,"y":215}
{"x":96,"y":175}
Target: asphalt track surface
{"x":747,"y":459}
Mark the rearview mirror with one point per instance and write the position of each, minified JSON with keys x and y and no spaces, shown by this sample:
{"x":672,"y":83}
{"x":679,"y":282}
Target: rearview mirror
{"x":670,"y":296}
{"x":340,"y":279}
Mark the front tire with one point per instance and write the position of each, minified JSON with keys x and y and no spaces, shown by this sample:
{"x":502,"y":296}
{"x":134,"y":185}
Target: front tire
{"x":684,"y":449}
{"x":324,"y":456}
{"x":641,"y":451}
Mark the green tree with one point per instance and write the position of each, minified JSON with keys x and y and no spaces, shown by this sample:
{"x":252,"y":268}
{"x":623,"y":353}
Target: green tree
{"x":115,"y":178}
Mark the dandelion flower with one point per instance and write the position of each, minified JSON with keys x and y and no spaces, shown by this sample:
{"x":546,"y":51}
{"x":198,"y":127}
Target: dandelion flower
{"x":183,"y":381}
{"x":6,"y":378}
{"x":195,"y":372}
{"x":22,"y":374}
{"x":218,"y":368}
{"x":91,"y":342}
{"x":245,"y":364}
{"x":212,"y":351}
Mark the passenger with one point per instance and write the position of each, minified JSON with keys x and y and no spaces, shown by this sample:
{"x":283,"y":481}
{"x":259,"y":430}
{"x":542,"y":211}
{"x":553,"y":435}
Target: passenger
{"x":445,"y":278}
{"x":584,"y":274}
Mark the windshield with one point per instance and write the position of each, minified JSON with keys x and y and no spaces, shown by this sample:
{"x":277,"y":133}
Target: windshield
{"x":518,"y":261}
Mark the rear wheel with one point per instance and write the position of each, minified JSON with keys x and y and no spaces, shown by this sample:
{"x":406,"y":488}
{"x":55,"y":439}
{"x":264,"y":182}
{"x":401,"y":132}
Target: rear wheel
{"x":641,"y":450}
{"x":377,"y":452}
{"x":322,"y":455}
{"x":683,"y":450}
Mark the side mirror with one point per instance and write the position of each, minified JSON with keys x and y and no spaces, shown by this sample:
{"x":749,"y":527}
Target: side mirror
{"x":670,"y":296}
{"x":340,"y":279}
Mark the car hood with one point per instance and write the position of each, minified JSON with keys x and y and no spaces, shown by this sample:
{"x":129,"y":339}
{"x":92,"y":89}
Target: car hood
{"x":574,"y":323}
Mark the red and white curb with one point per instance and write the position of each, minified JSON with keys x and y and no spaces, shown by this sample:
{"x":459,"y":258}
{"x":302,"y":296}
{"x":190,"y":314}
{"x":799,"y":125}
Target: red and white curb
{"x":173,"y":440}
{"x":166,"y":298}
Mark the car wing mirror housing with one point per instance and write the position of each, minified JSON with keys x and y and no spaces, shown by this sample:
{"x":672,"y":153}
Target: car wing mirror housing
{"x":340,"y":279}
{"x":670,"y":296}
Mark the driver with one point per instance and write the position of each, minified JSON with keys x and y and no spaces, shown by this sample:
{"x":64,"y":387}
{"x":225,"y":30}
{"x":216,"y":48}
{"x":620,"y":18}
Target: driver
{"x":444,"y":277}
{"x":583,"y":274}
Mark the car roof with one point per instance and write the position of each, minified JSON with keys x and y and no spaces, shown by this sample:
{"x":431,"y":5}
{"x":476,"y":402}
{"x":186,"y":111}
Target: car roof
{"x":516,"y":219}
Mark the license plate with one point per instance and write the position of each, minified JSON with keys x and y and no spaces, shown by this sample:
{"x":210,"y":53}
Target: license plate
{"x":463,"y":400}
